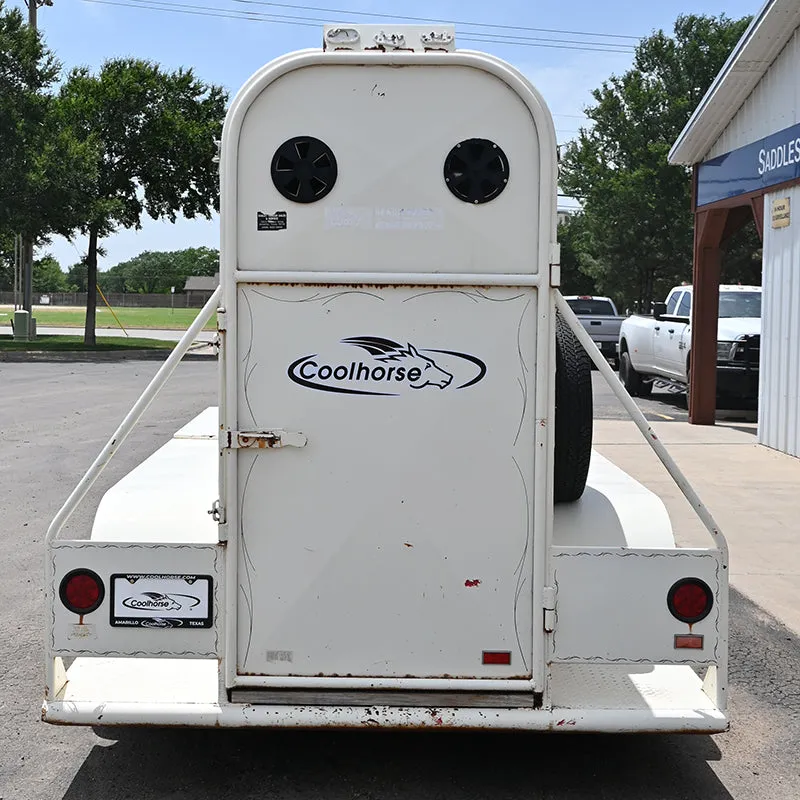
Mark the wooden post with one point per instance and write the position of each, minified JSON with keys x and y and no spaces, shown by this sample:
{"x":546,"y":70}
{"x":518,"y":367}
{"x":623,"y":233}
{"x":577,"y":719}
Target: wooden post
{"x":757,"y":204}
{"x":708,"y":229}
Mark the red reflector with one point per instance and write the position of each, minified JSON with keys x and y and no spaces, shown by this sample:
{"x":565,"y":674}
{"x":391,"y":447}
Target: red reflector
{"x":690,"y":600}
{"x":496,"y":656}
{"x":689,"y":641}
{"x":81,"y":591}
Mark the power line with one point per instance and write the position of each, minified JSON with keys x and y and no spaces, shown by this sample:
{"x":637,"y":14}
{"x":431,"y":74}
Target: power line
{"x":228,"y":13}
{"x":435,"y":21}
{"x":304,"y":21}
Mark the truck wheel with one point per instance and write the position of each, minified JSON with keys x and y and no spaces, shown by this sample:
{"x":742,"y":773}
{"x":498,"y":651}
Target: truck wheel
{"x":630,"y":378}
{"x":574,"y":414}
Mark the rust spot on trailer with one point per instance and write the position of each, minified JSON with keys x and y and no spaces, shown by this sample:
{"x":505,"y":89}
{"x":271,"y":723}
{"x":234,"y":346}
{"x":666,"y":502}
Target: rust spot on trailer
{"x":407,"y":544}
{"x":473,"y":582}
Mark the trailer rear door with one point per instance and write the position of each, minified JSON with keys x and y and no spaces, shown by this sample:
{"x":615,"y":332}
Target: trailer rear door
{"x":396,"y":542}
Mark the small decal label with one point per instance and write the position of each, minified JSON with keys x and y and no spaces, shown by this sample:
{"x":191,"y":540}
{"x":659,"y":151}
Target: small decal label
{"x":82,"y":631}
{"x":286,"y":656}
{"x":161,"y":601}
{"x":385,"y":367}
{"x":409,"y":219}
{"x":384,"y":219}
{"x":348,"y":217}
{"x":272,"y":222}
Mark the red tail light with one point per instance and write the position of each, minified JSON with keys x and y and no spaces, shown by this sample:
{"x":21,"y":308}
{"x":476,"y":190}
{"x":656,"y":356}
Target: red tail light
{"x":690,"y":600}
{"x":81,"y":591}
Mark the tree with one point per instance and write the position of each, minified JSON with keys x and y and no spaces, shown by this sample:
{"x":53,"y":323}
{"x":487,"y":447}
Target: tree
{"x":157,"y":132}
{"x":48,"y":277}
{"x":574,"y":278}
{"x":637,"y":240}
{"x":76,"y":277}
{"x":159,"y":271}
{"x":6,"y":262}
{"x":44,"y":169}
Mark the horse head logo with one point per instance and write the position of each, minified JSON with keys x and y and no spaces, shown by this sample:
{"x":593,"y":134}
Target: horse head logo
{"x":421,"y":369}
{"x":432,"y":374}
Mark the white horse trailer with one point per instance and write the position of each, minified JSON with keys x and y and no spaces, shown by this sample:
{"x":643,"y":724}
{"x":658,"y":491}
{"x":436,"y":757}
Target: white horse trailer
{"x":385,"y":522}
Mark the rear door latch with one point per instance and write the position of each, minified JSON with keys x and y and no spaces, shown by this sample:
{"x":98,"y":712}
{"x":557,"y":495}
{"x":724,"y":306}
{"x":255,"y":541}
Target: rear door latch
{"x":265,"y":439}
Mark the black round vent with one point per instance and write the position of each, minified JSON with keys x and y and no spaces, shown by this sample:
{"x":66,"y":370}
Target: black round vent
{"x":304,"y":169}
{"x":476,"y":170}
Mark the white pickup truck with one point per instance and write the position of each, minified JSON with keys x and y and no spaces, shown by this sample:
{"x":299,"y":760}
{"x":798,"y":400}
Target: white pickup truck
{"x":599,"y":317}
{"x":660,"y":347}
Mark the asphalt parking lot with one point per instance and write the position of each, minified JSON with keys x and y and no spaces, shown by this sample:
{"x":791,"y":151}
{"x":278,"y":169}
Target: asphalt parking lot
{"x":54,"y":418}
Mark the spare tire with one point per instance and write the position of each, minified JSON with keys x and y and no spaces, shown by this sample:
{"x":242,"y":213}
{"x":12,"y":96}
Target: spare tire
{"x":574,"y":414}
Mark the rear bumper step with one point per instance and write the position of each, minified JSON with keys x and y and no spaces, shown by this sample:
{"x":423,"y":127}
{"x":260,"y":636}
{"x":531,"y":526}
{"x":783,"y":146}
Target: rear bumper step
{"x":184,"y":693}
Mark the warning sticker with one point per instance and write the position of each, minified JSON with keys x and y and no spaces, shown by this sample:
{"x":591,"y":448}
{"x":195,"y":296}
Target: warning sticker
{"x":272,"y":222}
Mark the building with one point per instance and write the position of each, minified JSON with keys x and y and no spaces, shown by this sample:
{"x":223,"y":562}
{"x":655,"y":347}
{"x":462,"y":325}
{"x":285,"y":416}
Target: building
{"x":743,"y":143}
{"x":199,"y":289}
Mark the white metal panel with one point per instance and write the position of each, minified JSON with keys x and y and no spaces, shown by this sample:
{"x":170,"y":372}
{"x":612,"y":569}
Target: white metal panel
{"x":166,"y":498}
{"x":774,"y":104}
{"x":611,"y":605}
{"x":390,"y":210}
{"x":398,"y":541}
{"x":93,"y":634}
{"x":614,"y":511}
{"x":652,"y":686}
{"x":779,"y":388}
{"x":204,"y":426}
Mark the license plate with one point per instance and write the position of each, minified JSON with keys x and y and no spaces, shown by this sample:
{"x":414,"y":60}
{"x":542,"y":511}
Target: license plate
{"x":142,"y":600}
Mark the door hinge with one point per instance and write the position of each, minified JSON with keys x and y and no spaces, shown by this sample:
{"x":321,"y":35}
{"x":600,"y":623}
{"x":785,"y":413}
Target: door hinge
{"x":263,"y":439}
{"x":555,"y":264}
{"x":549,"y":606}
{"x":222,"y":320}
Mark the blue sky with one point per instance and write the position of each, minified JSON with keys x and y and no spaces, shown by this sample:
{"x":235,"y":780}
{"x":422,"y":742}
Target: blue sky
{"x":227,"y":51}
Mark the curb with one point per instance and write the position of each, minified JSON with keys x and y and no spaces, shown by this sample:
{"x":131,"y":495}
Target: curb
{"x":67,"y":356}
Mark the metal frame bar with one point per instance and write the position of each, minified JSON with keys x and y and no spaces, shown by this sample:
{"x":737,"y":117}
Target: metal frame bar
{"x":383,"y":684}
{"x":675,"y":473}
{"x":392,"y":278}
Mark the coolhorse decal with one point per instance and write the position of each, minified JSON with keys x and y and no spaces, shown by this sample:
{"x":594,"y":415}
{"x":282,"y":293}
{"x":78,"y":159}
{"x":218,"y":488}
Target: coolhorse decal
{"x":388,"y":369}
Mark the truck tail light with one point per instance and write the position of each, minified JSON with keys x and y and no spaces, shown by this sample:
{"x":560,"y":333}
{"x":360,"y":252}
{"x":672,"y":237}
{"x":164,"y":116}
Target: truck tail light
{"x":81,"y":591}
{"x":690,"y":600}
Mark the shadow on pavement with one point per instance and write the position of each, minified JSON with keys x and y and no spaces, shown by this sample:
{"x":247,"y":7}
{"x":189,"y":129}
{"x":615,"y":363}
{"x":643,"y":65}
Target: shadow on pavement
{"x":192,"y":764}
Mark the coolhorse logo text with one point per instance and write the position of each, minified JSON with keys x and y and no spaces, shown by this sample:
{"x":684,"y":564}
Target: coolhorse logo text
{"x":390,"y":369}
{"x":155,"y":601}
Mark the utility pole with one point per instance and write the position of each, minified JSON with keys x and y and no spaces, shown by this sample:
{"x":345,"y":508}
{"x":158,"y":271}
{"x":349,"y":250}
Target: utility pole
{"x":27,"y":242}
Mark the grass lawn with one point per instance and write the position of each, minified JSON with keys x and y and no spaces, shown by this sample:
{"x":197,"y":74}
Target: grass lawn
{"x":72,"y":343}
{"x":167,"y":319}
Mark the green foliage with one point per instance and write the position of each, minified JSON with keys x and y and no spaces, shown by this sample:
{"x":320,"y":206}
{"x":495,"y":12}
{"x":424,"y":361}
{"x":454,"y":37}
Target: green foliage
{"x":156,"y":134}
{"x":637,"y":224}
{"x":159,"y":271}
{"x":44,"y":169}
{"x":76,"y":277}
{"x":6,"y":262}
{"x":574,"y":279}
{"x":48,"y":277}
